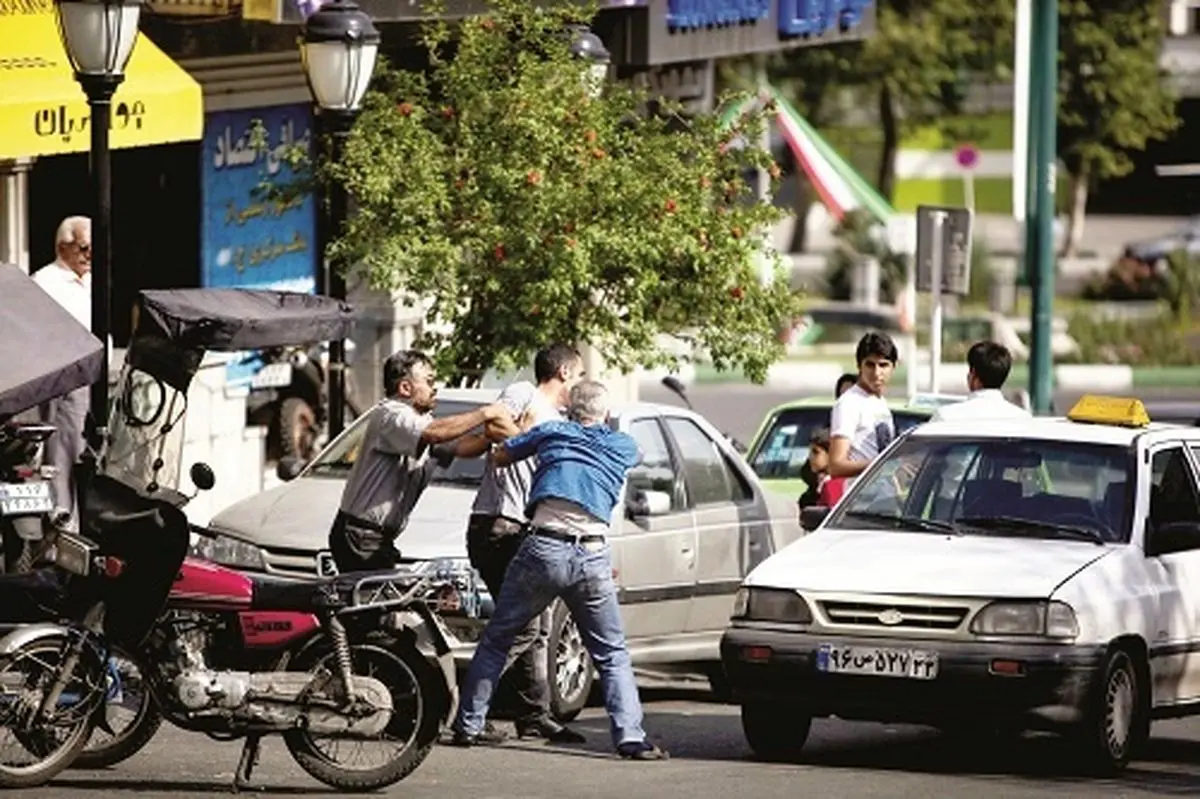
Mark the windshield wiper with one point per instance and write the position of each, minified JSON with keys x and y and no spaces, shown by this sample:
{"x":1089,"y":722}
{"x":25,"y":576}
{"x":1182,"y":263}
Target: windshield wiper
{"x":1018,"y":523}
{"x":907,"y":522}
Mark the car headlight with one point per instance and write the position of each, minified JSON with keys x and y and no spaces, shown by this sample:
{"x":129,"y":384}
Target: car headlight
{"x":229,"y":551}
{"x":1043,"y":619}
{"x":771,"y":604}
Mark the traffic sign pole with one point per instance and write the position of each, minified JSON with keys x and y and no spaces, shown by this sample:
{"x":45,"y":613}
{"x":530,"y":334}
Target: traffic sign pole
{"x":1039,"y":241}
{"x":935,"y":323}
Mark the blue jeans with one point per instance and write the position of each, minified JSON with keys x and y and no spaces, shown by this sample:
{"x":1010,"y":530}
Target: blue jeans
{"x":542,"y":569}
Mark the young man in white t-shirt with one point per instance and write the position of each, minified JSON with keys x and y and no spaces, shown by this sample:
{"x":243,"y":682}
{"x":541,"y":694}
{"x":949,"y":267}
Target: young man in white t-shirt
{"x":861,"y":425}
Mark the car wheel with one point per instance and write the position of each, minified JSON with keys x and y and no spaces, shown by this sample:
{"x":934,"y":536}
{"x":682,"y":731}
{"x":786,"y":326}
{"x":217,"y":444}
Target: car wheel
{"x":775,"y":732}
{"x":570,"y":666}
{"x":1116,"y":722}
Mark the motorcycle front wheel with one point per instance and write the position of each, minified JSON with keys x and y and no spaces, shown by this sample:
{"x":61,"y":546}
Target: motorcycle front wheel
{"x":49,"y":744}
{"x":418,"y":700}
{"x":132,"y":715}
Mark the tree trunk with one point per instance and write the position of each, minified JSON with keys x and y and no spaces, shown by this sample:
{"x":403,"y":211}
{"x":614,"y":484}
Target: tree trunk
{"x":890,"y":125}
{"x":1075,"y":221}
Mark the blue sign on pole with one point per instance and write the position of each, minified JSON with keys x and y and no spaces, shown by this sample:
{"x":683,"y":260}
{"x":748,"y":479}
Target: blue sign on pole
{"x":246,"y":240}
{"x":816,"y":17}
{"x":694,"y":14}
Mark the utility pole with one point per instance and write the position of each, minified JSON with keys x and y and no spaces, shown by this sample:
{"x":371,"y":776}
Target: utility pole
{"x":1039,"y":227}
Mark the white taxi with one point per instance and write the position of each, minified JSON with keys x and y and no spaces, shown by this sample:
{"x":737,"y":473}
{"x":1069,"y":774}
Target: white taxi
{"x":1018,"y":574}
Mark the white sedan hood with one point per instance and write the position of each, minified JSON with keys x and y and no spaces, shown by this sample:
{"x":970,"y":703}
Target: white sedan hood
{"x":889,"y":562}
{"x":298,"y":515}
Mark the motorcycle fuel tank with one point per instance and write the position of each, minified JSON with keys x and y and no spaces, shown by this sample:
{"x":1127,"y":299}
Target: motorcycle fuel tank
{"x":269,"y":629}
{"x":203,"y":584}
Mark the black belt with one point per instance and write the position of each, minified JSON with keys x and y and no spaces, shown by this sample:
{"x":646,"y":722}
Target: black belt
{"x":561,"y":535}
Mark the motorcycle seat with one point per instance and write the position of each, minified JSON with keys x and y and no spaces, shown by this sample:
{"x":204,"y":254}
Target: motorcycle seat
{"x":271,"y":592}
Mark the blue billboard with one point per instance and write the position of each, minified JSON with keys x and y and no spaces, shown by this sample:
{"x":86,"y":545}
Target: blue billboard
{"x":246,"y":240}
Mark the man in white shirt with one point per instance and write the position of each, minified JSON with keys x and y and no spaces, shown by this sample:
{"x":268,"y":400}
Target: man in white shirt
{"x":68,"y":279}
{"x":861,"y":424}
{"x":988,"y":366}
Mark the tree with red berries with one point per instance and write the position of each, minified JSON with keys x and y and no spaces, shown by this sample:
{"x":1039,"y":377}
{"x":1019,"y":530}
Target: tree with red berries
{"x":526,"y":210}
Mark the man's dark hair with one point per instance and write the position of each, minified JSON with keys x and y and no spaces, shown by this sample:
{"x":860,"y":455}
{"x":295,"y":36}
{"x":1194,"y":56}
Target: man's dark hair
{"x":400,"y":367}
{"x":820,"y":437}
{"x":848,"y":379}
{"x":550,"y":359}
{"x":878,"y":344}
{"x":991,"y":363}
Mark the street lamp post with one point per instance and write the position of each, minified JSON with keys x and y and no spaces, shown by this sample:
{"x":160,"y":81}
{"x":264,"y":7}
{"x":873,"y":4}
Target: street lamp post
{"x":98,"y":36}
{"x":339,"y":45}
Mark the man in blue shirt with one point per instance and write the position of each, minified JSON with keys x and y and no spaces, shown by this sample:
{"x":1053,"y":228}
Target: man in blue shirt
{"x":582,"y":465}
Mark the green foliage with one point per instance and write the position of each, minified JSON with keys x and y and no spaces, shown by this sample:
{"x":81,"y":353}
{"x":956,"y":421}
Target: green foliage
{"x":858,"y":236}
{"x":1112,"y":96}
{"x":1137,"y":342}
{"x":529,"y":211}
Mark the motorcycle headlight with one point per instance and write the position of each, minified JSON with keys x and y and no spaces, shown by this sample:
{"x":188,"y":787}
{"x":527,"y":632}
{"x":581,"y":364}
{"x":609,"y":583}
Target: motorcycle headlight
{"x":1040,"y":619}
{"x":771,"y":604}
{"x":229,"y":551}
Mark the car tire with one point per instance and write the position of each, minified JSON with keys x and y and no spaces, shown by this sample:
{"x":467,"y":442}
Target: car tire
{"x":1116,"y":720}
{"x":569,"y":666}
{"x":776,"y":732}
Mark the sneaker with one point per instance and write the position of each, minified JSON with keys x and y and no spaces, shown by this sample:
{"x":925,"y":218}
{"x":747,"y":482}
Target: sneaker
{"x":551,"y":730}
{"x":641,"y":750}
{"x":489,"y":735}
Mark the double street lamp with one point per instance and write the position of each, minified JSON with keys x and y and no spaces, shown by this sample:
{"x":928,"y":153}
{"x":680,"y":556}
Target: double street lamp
{"x":338,"y":46}
{"x":99,"y":36}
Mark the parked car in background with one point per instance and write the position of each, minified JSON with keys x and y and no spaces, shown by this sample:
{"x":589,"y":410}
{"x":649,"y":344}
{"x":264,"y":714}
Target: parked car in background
{"x":692,"y":524}
{"x":779,"y":449}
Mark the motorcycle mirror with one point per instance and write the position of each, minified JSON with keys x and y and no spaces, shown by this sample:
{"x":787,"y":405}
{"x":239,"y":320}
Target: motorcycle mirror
{"x":673,"y":383}
{"x":202,"y":476}
{"x":289,"y":468}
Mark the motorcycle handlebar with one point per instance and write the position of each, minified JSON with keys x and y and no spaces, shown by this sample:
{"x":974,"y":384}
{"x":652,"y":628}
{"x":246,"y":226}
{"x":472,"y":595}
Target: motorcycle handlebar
{"x":110,"y":518}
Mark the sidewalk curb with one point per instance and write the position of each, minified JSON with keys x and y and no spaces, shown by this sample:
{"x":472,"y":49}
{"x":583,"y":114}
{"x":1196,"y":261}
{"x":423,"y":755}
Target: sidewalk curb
{"x":820,"y":376}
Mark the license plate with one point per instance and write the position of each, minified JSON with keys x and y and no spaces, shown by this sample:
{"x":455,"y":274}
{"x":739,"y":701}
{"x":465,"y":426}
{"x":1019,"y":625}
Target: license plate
{"x":273,"y":375}
{"x":19,"y":498}
{"x":914,"y":664}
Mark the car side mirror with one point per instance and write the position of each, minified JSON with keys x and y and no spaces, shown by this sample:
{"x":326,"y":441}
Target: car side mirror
{"x":1173,"y":537}
{"x":289,"y":468}
{"x":202,"y":476}
{"x":812,"y":516}
{"x":642,"y":504}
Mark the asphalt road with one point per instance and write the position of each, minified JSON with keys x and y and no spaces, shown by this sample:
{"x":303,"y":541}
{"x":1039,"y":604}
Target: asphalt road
{"x":738,"y":409}
{"x":709,"y":761}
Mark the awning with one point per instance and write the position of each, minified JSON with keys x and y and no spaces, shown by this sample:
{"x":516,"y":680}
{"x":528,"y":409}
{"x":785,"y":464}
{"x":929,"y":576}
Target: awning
{"x":43,"y":110}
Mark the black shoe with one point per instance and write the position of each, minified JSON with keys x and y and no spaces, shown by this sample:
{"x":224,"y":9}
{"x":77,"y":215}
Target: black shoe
{"x":488,"y":736}
{"x":641,"y":750}
{"x":551,"y":730}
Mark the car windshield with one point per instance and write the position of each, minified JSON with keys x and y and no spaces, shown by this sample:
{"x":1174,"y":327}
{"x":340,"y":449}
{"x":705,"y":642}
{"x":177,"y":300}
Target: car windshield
{"x":337,"y":460}
{"x":992,"y":486}
{"x":783,"y":450}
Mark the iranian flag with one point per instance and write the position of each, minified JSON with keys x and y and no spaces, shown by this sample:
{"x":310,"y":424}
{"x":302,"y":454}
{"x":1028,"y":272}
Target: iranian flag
{"x":836,"y":182}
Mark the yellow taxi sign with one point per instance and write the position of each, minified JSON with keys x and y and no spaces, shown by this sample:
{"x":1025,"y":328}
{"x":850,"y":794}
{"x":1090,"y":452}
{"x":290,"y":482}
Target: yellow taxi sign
{"x":1116,"y":411}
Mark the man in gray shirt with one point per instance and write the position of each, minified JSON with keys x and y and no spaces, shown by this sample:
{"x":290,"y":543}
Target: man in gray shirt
{"x":495,"y":531}
{"x":393,"y":466}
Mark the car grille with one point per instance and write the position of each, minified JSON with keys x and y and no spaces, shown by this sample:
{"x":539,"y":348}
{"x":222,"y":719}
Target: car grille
{"x":894,"y":616}
{"x":291,"y":562}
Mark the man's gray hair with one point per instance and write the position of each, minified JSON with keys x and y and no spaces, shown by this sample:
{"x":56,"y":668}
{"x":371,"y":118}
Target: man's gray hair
{"x":69,"y":228}
{"x":589,"y":402}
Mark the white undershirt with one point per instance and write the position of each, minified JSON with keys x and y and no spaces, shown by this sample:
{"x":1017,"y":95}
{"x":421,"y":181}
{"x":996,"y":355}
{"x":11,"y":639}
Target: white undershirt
{"x":72,"y":292}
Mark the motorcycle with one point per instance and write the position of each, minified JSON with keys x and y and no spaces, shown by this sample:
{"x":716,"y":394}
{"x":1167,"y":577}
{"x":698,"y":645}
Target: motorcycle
{"x":288,"y":396}
{"x":26,"y":499}
{"x":229,"y":655}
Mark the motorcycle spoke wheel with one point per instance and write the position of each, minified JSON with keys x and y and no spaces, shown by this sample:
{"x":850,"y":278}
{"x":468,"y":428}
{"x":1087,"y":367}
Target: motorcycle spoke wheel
{"x":357,"y":764}
{"x":131,"y":714}
{"x":33,"y":752}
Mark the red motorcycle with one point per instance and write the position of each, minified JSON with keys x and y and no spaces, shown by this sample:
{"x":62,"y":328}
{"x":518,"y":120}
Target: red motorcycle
{"x":357,"y":657}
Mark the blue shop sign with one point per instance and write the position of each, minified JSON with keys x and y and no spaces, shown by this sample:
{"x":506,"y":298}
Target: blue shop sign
{"x":817,"y":17}
{"x":247,"y":241}
{"x":694,"y":14}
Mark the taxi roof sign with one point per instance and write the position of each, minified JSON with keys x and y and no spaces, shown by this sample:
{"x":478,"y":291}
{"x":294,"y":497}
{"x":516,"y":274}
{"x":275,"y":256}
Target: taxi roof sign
{"x":1116,"y":411}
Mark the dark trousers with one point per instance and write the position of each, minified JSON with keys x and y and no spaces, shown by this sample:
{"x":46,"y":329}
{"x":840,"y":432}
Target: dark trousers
{"x":348,"y":559}
{"x":490,"y":548}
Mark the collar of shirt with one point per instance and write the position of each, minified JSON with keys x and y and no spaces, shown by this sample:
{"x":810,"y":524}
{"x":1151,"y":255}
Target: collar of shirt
{"x":987,"y":393}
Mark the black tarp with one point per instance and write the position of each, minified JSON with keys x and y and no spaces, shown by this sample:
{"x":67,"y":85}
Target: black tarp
{"x":241,"y":319}
{"x":44,"y":351}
